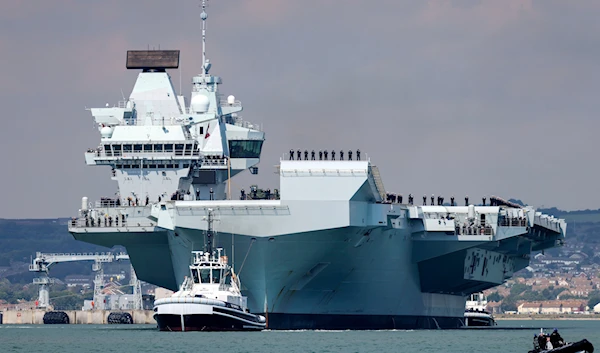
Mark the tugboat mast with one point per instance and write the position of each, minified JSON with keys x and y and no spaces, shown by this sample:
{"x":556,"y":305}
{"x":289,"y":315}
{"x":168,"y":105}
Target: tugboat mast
{"x":209,"y":232}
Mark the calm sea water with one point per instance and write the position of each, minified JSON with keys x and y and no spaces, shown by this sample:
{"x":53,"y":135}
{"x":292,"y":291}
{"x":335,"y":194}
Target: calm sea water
{"x":517,"y":337}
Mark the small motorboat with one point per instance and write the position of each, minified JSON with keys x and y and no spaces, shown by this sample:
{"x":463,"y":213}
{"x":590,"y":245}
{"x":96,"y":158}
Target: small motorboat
{"x":573,"y":347}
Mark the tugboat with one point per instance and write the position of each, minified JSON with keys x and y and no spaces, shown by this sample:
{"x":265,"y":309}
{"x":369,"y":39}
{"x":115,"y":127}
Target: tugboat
{"x":209,"y":299}
{"x":476,"y":314}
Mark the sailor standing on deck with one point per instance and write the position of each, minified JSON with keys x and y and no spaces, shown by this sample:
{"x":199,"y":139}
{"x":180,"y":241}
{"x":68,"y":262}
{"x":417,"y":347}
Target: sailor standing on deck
{"x":542,"y":340}
{"x":556,"y":339}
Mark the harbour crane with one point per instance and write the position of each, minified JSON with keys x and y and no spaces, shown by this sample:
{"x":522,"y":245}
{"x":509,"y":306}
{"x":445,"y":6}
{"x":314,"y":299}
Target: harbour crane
{"x":42,"y":262}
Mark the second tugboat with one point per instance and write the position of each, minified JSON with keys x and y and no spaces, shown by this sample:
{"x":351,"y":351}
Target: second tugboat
{"x":209,"y":299}
{"x":476,"y":314}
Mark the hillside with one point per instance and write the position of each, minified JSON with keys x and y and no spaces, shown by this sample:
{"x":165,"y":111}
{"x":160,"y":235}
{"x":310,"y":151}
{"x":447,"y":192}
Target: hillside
{"x":20,"y":239}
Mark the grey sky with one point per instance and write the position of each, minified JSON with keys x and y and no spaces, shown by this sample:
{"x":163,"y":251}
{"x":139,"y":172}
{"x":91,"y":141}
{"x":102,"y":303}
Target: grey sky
{"x":446,"y":97}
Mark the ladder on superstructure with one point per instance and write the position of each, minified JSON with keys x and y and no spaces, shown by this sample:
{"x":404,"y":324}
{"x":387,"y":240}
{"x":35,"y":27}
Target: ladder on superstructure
{"x":378,"y":181}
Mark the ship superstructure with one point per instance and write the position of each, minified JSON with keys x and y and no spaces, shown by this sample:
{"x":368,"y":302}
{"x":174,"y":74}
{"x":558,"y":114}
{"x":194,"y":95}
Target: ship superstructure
{"x":334,"y":250}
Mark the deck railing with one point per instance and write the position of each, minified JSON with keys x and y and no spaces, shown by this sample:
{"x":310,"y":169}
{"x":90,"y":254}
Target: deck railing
{"x":513,"y":222}
{"x":474,"y":230}
{"x":104,"y":222}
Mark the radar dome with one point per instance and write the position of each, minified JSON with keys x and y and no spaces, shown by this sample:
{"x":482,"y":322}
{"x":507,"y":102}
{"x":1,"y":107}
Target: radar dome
{"x":106,"y":132}
{"x":231,"y":99}
{"x":200,"y":103}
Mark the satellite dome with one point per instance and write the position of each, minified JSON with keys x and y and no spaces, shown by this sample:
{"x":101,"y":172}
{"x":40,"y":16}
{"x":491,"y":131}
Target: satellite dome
{"x":200,"y":104}
{"x":231,"y":100}
{"x":106,"y":132}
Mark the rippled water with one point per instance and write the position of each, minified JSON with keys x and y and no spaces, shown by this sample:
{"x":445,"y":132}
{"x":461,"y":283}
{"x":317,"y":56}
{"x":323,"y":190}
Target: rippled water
{"x":516,"y":337}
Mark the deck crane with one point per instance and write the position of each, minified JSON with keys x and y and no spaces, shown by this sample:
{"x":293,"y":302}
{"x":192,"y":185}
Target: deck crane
{"x":42,"y":262}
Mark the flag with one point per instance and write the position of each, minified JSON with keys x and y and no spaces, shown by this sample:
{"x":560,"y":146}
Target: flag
{"x":207,"y":135}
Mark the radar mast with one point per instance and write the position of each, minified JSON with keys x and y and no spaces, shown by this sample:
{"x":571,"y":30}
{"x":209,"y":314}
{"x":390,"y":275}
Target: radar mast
{"x":205,"y":62}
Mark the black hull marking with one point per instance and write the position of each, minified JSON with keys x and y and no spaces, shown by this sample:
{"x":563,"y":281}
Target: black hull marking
{"x":169,"y":322}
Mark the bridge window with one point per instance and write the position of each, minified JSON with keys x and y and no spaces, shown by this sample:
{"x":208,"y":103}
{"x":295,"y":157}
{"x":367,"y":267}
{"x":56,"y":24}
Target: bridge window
{"x":147,"y":148}
{"x":179,"y":150}
{"x":205,"y":275}
{"x":188,"y":149}
{"x":195,"y":276}
{"x":126,"y":148}
{"x":137,"y":148}
{"x":169,"y":147}
{"x":216,"y":276}
{"x":158,"y":148}
{"x":245,"y":148}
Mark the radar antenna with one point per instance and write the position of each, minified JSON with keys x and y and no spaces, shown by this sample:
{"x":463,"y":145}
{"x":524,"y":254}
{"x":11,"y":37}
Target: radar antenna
{"x":205,"y":62}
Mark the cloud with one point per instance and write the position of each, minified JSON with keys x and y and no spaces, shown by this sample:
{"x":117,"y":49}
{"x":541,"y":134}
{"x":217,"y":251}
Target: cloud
{"x":446,"y":97}
{"x":486,"y":15}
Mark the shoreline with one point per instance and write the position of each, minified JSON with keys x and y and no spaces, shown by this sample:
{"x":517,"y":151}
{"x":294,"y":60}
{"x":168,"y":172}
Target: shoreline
{"x":545,"y":317}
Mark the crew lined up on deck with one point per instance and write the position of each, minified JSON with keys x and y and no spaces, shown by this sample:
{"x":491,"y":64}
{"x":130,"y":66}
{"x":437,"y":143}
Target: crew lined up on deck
{"x":181,"y":195}
{"x":439,"y":200}
{"x":92,"y":221}
{"x":323,"y":155}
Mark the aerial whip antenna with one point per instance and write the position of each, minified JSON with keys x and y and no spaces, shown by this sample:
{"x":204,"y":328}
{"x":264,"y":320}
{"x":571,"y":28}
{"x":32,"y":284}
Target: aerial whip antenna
{"x":205,"y":62}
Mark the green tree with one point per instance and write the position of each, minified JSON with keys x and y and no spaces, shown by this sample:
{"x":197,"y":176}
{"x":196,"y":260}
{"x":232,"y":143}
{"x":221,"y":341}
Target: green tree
{"x":518,"y":288}
{"x":495,"y":297}
{"x":593,"y":298}
{"x":509,"y":303}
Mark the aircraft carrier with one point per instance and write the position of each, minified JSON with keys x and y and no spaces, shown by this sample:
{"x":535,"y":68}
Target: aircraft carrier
{"x":330,"y":249}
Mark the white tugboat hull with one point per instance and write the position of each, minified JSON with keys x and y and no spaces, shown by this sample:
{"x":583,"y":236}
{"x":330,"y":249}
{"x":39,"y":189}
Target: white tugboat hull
{"x":200,"y":314}
{"x":478,"y":319}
